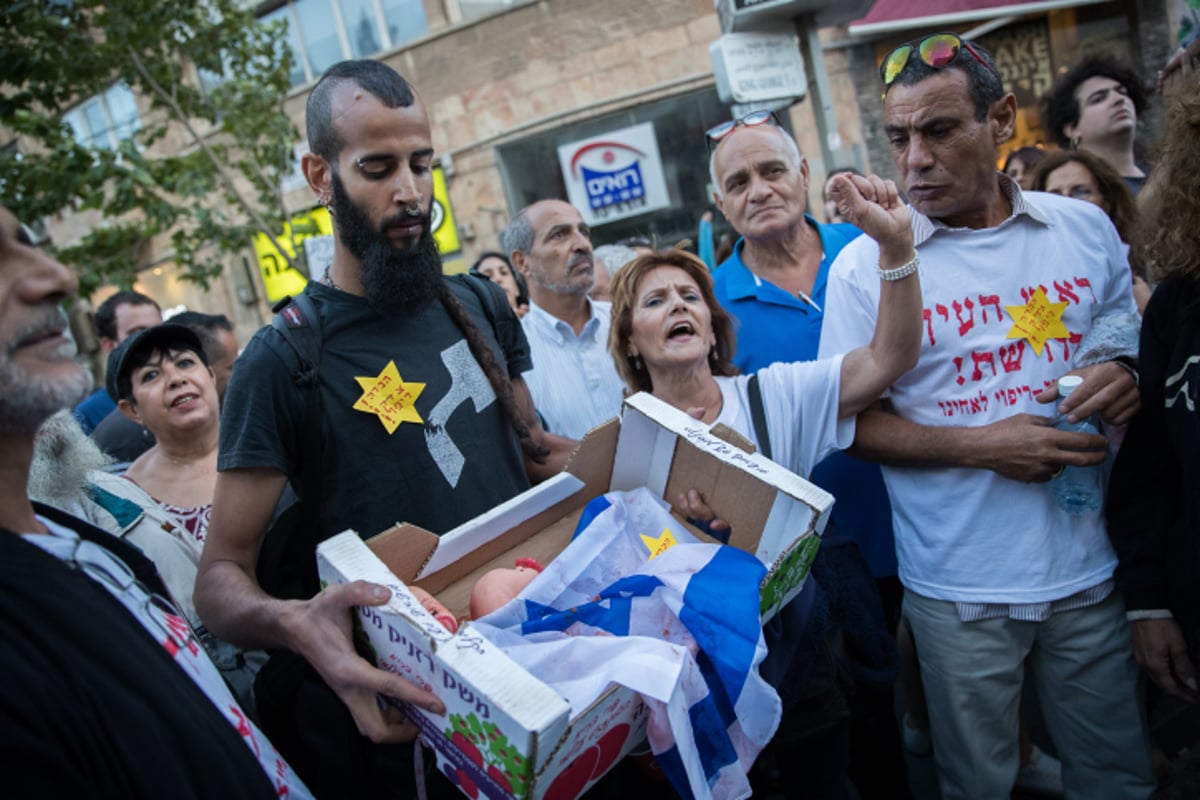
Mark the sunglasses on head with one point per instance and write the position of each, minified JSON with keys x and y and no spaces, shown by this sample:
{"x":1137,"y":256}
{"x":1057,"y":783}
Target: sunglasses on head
{"x":755,"y":118}
{"x":937,"y":50}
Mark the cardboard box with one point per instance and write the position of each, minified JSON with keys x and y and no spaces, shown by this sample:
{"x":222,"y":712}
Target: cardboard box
{"x":505,"y":734}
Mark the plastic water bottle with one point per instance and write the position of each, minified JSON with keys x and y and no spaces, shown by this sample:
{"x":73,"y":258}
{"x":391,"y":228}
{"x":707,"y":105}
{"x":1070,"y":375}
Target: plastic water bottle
{"x":1078,"y":490}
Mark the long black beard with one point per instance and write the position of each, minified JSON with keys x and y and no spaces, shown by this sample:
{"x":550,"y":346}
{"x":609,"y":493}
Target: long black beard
{"x":395,"y":280}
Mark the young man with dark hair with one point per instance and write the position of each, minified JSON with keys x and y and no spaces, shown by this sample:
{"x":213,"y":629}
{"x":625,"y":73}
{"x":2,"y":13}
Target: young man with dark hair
{"x":423,"y":418}
{"x":997,"y":575}
{"x":120,"y":316}
{"x":1095,"y":106}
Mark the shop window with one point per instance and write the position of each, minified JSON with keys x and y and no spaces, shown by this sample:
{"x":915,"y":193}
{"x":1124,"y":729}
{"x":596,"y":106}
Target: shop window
{"x":405,"y":20}
{"x":324,"y":32}
{"x":105,"y":120}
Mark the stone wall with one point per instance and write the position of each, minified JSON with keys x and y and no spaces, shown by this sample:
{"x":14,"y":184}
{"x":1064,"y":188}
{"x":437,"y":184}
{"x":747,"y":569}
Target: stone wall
{"x":544,"y":64}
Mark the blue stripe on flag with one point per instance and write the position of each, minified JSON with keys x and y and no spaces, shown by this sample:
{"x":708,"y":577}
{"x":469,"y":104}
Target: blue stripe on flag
{"x":711,"y":736}
{"x":672,"y":766}
{"x":707,"y":598}
{"x":596,"y":507}
{"x":719,"y":698}
{"x":608,"y":615}
{"x":610,"y":612}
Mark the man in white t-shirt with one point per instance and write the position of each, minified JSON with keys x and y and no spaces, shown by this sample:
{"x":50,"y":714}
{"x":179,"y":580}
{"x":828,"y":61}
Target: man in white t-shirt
{"x":574,"y":383}
{"x":1019,"y":290}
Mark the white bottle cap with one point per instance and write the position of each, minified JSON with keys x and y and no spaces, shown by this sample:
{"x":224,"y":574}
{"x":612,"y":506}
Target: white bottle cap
{"x":1068,"y":384}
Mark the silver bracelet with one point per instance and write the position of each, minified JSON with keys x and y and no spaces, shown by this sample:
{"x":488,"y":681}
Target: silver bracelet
{"x":902,"y":271}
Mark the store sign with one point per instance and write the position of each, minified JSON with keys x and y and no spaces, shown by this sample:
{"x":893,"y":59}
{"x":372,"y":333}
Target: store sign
{"x":445,"y":232}
{"x":616,"y":175}
{"x":758,"y":67}
{"x":1022,"y":54}
{"x":279,"y":279}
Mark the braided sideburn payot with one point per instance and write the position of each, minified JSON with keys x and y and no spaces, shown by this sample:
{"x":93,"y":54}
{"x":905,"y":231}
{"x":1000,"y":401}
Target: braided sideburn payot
{"x":496,"y":376}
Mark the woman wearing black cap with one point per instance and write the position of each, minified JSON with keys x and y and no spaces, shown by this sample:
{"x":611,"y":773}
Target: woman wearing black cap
{"x":161,"y":379}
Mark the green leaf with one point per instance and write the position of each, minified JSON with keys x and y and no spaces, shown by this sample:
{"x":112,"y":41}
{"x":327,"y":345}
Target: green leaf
{"x":204,"y":167}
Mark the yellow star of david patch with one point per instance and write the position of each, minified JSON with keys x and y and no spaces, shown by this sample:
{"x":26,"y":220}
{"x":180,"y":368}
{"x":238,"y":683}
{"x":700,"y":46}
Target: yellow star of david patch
{"x":1038,"y":321}
{"x":388,"y":397}
{"x":660,"y":545}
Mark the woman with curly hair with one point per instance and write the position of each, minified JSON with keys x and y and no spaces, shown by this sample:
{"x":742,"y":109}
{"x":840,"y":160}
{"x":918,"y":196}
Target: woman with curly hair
{"x":1084,"y":175}
{"x":1154,"y":508}
{"x":1095,"y":106}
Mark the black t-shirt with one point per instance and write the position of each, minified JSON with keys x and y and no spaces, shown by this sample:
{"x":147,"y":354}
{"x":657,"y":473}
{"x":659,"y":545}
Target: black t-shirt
{"x":412,"y":430}
{"x":90,"y":704}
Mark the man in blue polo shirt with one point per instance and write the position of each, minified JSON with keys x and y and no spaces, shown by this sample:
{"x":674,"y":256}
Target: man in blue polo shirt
{"x":774,"y":286}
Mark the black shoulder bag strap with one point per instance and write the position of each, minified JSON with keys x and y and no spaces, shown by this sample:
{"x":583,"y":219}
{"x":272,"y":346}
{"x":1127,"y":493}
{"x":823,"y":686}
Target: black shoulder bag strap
{"x":758,"y":416}
{"x":295,"y":531}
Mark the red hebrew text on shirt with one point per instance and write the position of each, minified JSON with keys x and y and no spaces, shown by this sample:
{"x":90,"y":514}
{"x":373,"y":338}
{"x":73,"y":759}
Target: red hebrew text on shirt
{"x":998,"y":339}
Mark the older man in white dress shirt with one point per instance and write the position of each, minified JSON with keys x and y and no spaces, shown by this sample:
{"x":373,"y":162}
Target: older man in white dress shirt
{"x":574,"y":383}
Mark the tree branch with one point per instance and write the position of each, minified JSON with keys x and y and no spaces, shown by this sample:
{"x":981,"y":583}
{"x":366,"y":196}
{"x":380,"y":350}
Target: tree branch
{"x":178,"y":113}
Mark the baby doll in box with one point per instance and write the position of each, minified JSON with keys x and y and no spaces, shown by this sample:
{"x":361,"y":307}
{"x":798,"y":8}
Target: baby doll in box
{"x":493,"y":589}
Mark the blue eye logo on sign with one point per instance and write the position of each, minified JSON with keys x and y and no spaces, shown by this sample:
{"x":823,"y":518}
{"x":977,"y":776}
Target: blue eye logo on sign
{"x":616,"y":175}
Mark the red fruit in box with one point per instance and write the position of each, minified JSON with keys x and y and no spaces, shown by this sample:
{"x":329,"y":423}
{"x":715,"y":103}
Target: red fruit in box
{"x":571,"y":782}
{"x":610,"y":747}
{"x":467,"y":746}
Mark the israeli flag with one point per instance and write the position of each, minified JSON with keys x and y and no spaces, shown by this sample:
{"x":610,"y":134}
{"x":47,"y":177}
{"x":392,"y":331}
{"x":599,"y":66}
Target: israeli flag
{"x":636,"y":600}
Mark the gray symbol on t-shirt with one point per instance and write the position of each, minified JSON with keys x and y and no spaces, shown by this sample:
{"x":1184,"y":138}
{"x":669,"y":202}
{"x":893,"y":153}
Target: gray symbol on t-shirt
{"x":467,"y":383}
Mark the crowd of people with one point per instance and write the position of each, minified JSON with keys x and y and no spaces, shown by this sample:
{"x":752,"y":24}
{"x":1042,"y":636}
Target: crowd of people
{"x":903,"y":353}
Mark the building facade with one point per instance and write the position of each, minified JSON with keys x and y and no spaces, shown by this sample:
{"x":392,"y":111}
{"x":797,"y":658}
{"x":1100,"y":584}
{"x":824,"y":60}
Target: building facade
{"x":542,"y":98}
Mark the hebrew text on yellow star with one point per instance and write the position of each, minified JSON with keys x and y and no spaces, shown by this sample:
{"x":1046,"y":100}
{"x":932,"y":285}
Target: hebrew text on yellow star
{"x":660,"y":545}
{"x":389,"y":398}
{"x":1038,"y":320}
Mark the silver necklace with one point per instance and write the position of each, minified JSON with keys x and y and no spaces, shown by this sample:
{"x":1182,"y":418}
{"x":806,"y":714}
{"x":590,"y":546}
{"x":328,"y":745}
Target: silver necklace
{"x":327,"y":279}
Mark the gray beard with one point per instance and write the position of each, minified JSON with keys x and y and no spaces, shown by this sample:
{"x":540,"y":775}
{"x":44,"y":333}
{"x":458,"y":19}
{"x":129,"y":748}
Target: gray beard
{"x":63,"y":455}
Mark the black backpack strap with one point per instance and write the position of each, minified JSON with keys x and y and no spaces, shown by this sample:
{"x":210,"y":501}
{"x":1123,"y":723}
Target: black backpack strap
{"x":293,"y":537}
{"x":494,"y":302}
{"x":758,"y":416}
{"x":491,"y":296}
{"x":297,"y":320}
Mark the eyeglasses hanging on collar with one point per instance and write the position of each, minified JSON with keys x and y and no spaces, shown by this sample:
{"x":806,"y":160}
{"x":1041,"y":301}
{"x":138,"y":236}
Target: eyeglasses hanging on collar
{"x":116,"y":577}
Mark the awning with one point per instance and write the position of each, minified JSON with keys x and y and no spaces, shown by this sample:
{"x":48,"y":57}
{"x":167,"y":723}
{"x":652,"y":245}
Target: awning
{"x":891,"y":16}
